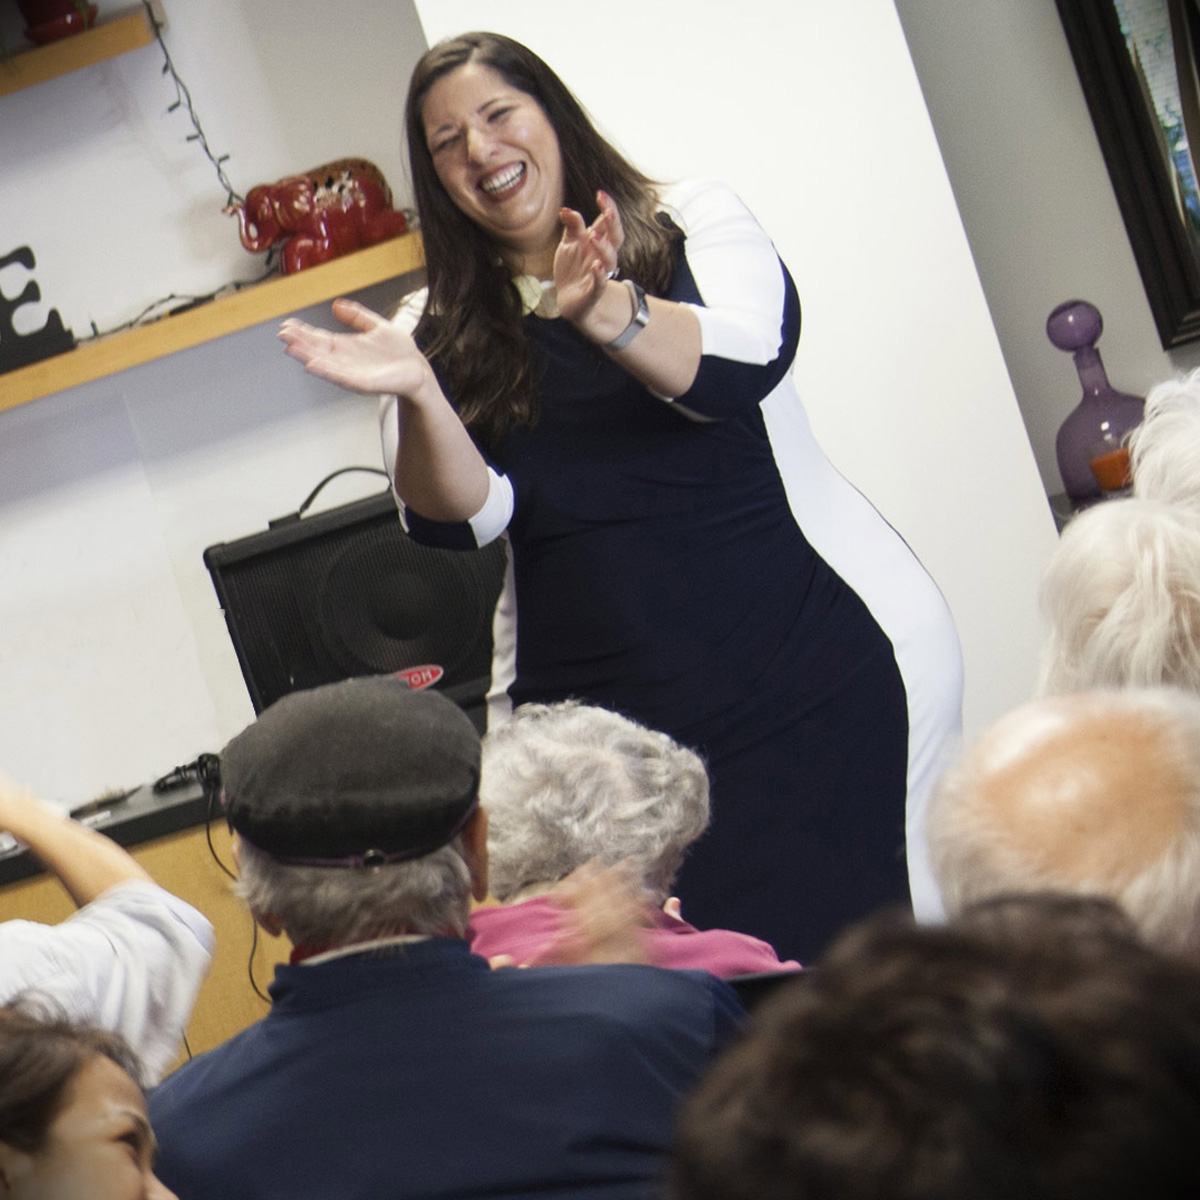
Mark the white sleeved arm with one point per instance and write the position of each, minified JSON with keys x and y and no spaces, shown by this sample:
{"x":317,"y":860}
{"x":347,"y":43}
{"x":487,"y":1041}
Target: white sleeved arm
{"x":736,"y":269}
{"x":749,"y":311}
{"x":132,"y":961}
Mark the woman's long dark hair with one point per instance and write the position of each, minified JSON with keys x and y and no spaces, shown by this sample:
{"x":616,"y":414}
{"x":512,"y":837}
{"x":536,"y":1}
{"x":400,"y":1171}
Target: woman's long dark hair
{"x":472,"y":327}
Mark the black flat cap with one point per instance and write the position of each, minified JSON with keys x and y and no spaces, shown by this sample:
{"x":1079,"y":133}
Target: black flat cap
{"x":356,"y":773}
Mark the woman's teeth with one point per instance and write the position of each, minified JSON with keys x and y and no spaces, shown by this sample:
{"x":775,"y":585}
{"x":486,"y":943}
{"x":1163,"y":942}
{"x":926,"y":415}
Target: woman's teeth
{"x":506,"y":178}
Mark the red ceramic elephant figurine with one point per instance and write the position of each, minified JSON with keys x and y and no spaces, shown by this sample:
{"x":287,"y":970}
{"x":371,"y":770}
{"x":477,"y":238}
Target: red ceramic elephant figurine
{"x":327,"y":212}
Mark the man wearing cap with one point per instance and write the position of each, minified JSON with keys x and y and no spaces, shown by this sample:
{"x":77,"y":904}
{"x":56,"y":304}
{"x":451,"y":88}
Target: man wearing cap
{"x":393,"y":1061}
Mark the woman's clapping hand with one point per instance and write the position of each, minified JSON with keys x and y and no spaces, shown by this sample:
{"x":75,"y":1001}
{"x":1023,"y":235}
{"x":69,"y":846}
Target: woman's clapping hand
{"x":586,"y":258}
{"x":378,"y":357}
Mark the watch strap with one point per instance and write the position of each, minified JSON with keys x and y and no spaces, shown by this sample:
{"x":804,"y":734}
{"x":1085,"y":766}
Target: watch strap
{"x":641,"y":317}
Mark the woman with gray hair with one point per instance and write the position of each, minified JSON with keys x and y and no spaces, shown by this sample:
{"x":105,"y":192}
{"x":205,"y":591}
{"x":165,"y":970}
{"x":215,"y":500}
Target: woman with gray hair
{"x":1164,"y":450}
{"x":1121,"y":599}
{"x":569,"y":784}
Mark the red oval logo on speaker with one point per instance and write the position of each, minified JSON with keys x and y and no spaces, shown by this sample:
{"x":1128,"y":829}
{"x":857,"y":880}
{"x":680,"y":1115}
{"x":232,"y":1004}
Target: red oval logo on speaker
{"x":421,"y":677}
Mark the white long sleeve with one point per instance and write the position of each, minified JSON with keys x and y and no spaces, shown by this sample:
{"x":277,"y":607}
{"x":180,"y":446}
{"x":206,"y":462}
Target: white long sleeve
{"x":131,"y":961}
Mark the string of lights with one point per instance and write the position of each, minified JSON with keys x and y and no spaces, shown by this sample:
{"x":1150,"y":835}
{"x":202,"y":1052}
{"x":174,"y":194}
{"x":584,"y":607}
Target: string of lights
{"x":183,"y":99}
{"x":176,"y":303}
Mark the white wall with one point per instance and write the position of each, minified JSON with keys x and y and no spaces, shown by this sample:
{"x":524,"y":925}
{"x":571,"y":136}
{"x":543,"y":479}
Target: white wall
{"x":115,"y":663}
{"x":98,"y":177}
{"x":812,"y":111}
{"x":114,"y":660}
{"x":1035,"y":198}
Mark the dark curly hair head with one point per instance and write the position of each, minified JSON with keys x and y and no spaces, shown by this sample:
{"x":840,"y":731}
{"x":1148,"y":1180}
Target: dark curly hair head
{"x":1035,"y":1049}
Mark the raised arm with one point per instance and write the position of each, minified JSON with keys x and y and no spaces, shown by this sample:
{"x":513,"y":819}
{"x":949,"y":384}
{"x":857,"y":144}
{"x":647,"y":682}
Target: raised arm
{"x":743,"y":333}
{"x":438,"y":472}
{"x":131,"y":959}
{"x":665,"y":354}
{"x":85,"y":862}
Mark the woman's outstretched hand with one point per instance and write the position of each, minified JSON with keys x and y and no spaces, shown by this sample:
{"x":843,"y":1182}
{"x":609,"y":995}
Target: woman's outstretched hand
{"x":379,"y":357}
{"x":586,"y":258}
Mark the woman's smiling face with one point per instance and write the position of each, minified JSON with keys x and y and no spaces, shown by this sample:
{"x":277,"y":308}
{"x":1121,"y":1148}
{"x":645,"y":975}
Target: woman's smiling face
{"x":497,"y":155}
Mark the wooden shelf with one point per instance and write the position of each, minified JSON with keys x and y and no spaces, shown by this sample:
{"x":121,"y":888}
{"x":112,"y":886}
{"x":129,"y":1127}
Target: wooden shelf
{"x":251,"y":306}
{"x":103,"y":41}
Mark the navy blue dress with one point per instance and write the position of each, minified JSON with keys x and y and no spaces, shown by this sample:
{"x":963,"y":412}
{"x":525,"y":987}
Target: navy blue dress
{"x":659,"y":569}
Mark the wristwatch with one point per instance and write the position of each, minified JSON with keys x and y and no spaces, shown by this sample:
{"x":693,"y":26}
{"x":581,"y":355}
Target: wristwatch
{"x":641,"y":317}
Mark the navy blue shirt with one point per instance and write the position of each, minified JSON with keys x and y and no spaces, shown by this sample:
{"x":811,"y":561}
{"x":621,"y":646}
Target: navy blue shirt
{"x":420,"y":1072}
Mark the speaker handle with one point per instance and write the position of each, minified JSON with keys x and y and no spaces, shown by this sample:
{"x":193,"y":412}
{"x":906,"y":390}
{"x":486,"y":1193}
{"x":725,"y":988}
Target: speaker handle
{"x":292,"y":518}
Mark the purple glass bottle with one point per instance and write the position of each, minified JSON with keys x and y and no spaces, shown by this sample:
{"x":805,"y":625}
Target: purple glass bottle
{"x":1094,"y":432}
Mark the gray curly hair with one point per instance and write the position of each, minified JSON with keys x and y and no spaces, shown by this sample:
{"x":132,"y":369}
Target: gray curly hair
{"x":564,"y":783}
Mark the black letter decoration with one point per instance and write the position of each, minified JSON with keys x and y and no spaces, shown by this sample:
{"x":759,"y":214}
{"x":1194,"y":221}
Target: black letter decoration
{"x":19,"y":350}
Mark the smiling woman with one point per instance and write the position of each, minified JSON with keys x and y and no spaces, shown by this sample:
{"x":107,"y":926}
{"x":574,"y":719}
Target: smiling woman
{"x":600,"y":369}
{"x":73,"y":1122}
{"x":496,"y":154}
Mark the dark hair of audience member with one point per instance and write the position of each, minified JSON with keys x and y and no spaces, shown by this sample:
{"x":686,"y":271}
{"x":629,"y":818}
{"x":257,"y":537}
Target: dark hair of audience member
{"x":39,"y":1057}
{"x":1035,"y":1049}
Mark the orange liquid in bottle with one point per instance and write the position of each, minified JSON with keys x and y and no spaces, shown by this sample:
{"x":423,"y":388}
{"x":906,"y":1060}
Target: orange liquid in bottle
{"x":1112,"y":469}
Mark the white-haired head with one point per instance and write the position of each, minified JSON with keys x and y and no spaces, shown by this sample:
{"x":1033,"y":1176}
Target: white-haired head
{"x":1164,"y":450}
{"x":565,"y":783}
{"x":1092,"y":792}
{"x":335,"y":906}
{"x":1121,"y":599}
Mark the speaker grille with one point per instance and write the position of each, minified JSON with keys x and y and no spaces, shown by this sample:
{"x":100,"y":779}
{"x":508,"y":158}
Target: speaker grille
{"x":347,"y":593}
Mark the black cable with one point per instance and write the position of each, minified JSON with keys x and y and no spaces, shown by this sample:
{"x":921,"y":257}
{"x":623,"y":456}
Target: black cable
{"x":211,"y":779}
{"x":183,"y":99}
{"x":333,"y":475}
{"x":145,"y":318}
{"x":293,"y":518}
{"x":250,"y":966}
{"x":212,"y":794}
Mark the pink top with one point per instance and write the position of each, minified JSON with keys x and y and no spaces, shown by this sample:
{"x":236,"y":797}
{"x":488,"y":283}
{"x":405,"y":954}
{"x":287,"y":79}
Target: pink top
{"x":527,"y":929}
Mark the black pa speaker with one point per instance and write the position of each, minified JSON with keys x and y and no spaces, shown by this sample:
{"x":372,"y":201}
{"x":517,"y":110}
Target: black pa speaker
{"x":345,"y":593}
